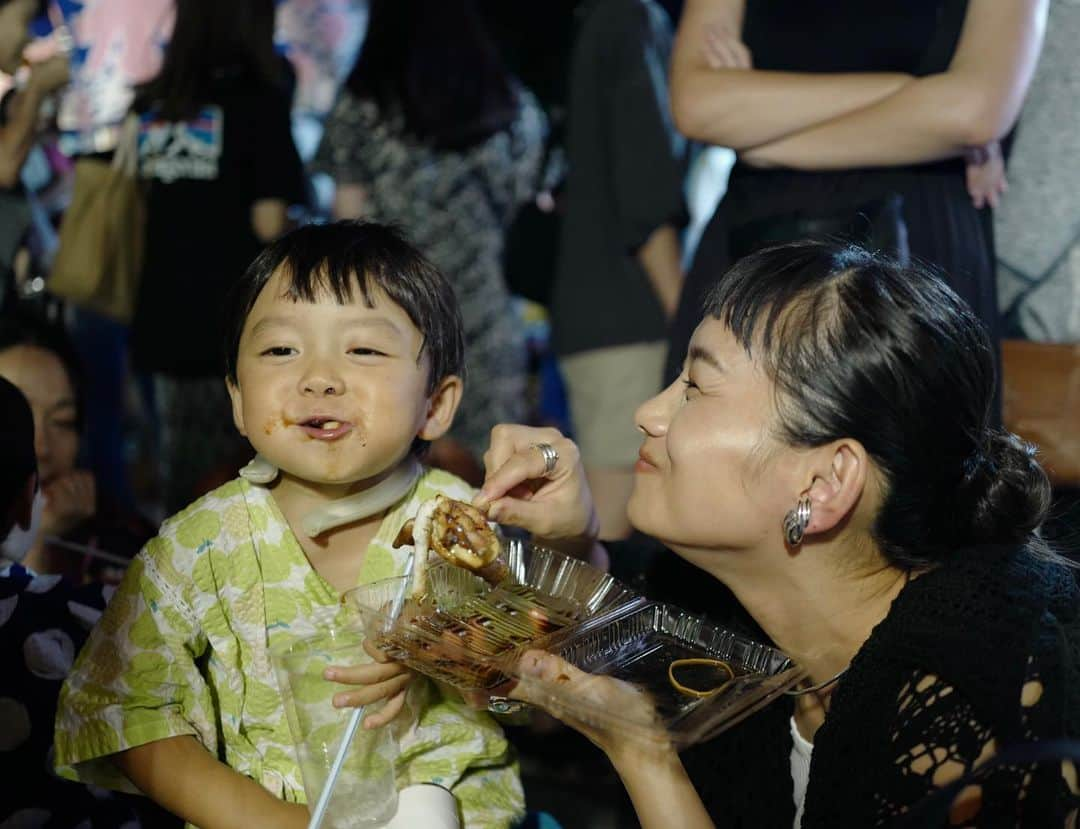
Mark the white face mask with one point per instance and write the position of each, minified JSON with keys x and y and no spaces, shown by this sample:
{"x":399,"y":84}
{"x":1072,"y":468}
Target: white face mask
{"x":19,"y":541}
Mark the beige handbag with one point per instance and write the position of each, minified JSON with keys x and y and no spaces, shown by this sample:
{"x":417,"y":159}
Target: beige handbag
{"x":99,"y":259}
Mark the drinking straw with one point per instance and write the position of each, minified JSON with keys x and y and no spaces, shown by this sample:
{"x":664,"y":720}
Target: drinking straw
{"x":354,"y":721}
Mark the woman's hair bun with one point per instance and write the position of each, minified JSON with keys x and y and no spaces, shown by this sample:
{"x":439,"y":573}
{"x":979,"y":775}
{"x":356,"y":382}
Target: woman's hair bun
{"x":1004,"y":494}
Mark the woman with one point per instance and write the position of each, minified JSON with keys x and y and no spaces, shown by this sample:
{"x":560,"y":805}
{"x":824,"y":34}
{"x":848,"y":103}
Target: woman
{"x":39,"y":360}
{"x":216,"y":145}
{"x":827,"y":455}
{"x":431,"y":133}
{"x":854,"y":119}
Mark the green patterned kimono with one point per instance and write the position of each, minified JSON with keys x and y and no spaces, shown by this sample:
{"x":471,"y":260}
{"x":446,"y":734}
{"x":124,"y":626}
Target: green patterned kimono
{"x":184,"y":648}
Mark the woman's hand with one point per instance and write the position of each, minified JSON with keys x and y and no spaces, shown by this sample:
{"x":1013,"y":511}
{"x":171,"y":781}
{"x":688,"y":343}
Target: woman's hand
{"x":986,"y":182}
{"x":385,"y":680}
{"x":519,"y":491}
{"x":539,"y":670}
{"x":722,"y":48}
{"x":70,"y":499}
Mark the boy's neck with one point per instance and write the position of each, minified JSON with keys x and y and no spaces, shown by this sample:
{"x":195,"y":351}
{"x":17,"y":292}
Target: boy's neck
{"x":337,"y":554}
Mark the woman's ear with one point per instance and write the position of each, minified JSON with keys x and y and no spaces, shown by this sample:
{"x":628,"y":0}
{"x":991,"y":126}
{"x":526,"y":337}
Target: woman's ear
{"x":838,"y":485}
{"x":442,"y":406}
{"x":237,"y":399}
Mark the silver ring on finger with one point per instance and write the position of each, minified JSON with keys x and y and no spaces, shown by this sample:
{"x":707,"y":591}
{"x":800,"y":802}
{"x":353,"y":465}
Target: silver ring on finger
{"x":550,"y":456}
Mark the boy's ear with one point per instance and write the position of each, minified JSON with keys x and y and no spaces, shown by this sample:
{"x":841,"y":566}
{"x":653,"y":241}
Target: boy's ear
{"x":237,"y":405}
{"x":442,"y":406}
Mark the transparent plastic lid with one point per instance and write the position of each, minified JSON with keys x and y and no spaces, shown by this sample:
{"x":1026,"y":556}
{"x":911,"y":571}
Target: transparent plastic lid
{"x":673,"y":659}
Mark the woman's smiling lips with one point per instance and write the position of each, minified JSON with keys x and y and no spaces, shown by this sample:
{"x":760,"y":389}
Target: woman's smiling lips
{"x":644,"y":463}
{"x":322,"y":427}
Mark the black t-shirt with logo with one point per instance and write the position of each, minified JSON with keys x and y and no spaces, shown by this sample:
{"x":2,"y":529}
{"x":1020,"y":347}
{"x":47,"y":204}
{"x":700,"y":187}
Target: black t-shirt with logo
{"x":204,"y":175}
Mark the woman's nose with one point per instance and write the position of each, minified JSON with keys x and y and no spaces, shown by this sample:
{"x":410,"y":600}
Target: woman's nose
{"x":653,"y":416}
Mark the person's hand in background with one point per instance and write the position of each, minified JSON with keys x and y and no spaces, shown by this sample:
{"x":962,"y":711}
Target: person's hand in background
{"x":986,"y":181}
{"x":70,"y":499}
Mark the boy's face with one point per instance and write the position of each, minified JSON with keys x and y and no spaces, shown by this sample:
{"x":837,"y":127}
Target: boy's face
{"x":335,"y":394}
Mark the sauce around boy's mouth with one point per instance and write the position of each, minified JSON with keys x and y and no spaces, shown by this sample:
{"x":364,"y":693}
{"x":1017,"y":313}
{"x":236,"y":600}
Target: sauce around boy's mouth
{"x":322,"y":428}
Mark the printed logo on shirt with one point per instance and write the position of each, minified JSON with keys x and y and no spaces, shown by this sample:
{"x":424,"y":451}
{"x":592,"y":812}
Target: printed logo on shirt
{"x":190,"y":149}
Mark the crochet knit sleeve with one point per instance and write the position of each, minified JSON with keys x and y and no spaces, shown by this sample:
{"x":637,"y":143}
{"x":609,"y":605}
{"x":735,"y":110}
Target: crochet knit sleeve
{"x":938,"y":738}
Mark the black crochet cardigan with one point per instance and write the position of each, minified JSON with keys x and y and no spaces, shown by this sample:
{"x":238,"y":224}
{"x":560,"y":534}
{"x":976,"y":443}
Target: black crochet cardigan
{"x":978,"y":655}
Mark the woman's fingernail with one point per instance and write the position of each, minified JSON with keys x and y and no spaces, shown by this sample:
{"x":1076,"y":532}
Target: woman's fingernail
{"x":330,"y":673}
{"x":339,"y":702}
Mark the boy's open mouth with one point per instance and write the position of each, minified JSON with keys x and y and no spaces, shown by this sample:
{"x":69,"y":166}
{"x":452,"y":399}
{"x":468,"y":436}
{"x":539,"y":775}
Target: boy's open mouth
{"x":325,"y":428}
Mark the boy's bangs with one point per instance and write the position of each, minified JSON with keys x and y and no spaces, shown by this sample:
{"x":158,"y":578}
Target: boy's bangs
{"x":315,"y":274}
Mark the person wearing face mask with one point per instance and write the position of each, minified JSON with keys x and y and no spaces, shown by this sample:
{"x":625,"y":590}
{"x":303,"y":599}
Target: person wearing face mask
{"x":43,"y":622}
{"x":38,"y":359}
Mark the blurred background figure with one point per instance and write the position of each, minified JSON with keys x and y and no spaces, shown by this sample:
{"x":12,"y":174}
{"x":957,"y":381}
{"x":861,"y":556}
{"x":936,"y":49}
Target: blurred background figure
{"x":21,"y":106}
{"x":619,"y":268}
{"x":76,"y":516}
{"x":432,"y":133}
{"x":857,"y":120}
{"x":216,"y":146}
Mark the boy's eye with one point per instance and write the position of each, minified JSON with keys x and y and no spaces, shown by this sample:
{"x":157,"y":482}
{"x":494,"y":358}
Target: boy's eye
{"x":367,"y":352}
{"x":691,"y":386}
{"x":277,"y":351}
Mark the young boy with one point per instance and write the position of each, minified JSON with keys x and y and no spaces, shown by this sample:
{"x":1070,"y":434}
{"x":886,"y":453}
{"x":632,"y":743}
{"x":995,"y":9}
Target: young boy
{"x":344,"y":357}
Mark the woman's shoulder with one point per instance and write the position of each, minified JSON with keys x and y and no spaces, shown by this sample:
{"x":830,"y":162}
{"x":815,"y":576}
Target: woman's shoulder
{"x":980,"y":626}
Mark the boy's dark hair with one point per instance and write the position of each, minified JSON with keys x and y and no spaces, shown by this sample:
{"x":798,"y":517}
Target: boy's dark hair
{"x":342,"y":258}
{"x":17,"y":461}
{"x":862,"y":347}
{"x":23,"y":329}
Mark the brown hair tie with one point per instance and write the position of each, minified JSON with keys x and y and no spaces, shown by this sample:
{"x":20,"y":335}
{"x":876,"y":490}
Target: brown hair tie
{"x":694,"y":692}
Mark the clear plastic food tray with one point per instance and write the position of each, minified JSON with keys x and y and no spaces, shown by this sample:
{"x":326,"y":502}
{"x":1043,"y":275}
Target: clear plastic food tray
{"x":472,"y":636}
{"x":463,"y":630}
{"x":637,"y":644}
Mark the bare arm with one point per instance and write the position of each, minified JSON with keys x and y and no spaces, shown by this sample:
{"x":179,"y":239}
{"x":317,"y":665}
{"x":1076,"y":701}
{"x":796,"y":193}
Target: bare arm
{"x":660,"y":257}
{"x":662,"y":794}
{"x":17,"y":136}
{"x":741,"y":108}
{"x":269,"y":219}
{"x":974,"y":102}
{"x":350,"y":201}
{"x":183,"y":777}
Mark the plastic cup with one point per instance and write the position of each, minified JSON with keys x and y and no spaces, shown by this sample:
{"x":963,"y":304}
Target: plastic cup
{"x":365,"y":794}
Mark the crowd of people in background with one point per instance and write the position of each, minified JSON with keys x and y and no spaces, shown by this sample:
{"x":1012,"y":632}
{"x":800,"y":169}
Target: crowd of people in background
{"x":941,"y":134}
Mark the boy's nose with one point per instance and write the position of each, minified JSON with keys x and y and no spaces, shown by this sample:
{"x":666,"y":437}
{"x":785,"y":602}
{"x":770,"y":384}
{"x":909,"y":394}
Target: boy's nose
{"x":322,"y":387}
{"x":321,"y":381}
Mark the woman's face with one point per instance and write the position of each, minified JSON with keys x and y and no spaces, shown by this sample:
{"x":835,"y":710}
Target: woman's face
{"x":41,"y":376}
{"x":710,"y":474}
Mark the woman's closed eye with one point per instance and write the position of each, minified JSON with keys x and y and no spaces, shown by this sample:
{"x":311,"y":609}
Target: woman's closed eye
{"x":691,"y":387}
{"x":69,"y":424}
